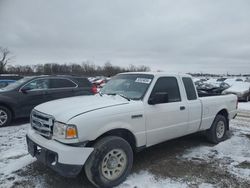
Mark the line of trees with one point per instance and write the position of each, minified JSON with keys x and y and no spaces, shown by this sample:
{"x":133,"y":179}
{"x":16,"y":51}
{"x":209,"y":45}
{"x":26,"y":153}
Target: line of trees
{"x":217,"y":75}
{"x":86,"y":68}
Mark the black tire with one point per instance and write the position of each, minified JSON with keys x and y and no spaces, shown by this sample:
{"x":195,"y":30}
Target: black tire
{"x":93,"y":166}
{"x":4,"y":110}
{"x":212,"y":135}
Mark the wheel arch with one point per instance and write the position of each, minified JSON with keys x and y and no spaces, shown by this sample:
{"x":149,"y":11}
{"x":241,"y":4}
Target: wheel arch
{"x":9,"y":107}
{"x":120,"y":132}
{"x":224,"y":113}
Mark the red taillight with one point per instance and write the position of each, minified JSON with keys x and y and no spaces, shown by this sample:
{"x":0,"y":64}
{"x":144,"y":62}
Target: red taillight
{"x":94,"y":89}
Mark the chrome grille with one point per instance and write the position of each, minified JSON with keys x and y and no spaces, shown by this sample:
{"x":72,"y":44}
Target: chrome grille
{"x":42,"y":123}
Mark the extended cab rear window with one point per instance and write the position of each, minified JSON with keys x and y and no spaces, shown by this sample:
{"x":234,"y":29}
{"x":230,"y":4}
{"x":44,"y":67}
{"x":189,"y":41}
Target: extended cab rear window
{"x":190,"y":89}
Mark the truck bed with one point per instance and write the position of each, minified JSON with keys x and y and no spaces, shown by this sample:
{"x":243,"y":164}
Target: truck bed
{"x":213,"y":104}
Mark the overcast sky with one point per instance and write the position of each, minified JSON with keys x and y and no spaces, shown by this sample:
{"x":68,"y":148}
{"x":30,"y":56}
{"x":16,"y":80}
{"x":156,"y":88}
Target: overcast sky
{"x":171,"y":35}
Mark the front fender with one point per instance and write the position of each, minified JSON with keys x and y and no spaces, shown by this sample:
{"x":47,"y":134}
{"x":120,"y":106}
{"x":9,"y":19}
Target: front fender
{"x":90,"y":128}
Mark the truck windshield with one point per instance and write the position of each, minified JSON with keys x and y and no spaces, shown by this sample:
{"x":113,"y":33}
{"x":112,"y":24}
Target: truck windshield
{"x":130,"y":86}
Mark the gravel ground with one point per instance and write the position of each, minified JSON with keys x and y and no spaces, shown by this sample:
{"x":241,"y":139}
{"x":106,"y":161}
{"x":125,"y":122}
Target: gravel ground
{"x":189,"y":161}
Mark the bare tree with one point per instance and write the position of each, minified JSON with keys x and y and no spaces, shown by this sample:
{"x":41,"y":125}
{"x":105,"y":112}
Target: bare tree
{"x":5,"y":58}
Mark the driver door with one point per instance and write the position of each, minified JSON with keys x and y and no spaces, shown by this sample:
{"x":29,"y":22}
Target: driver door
{"x":168,"y":119}
{"x":33,"y":94}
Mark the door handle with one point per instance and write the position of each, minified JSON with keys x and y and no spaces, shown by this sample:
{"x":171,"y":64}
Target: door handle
{"x":182,"y":107}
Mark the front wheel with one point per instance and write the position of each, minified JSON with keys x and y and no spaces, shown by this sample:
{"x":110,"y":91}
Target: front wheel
{"x":5,"y":116}
{"x":110,"y":163}
{"x":217,"y":132}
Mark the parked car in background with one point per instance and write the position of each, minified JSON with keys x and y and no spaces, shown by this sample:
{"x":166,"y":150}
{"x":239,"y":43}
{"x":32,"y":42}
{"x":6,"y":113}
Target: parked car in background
{"x":208,"y":89}
{"x":212,"y":81}
{"x":99,"y":81}
{"x":19,"y":98}
{"x":232,"y":81}
{"x":222,"y":79}
{"x":4,"y":83}
{"x":247,"y":80}
{"x":10,"y":77}
{"x":241,"y":89}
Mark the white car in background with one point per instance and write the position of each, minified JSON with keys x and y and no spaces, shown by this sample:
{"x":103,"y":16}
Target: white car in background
{"x":232,"y":81}
{"x":247,"y":80}
{"x":241,"y":89}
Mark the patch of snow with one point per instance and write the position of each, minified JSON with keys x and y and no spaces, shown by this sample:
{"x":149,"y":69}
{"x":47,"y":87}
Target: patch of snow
{"x":232,"y":152}
{"x":206,"y":185}
{"x":144,"y":179}
{"x":17,"y":164}
{"x":14,"y":154}
{"x":196,"y":79}
{"x":213,"y":82}
{"x":244,"y":106}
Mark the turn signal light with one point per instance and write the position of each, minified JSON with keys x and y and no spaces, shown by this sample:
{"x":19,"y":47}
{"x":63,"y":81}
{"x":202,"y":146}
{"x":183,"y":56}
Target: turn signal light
{"x":71,"y":132}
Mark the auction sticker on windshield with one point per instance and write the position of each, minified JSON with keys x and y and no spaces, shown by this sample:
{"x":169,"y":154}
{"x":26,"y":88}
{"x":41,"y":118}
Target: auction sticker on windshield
{"x":143,"y":80}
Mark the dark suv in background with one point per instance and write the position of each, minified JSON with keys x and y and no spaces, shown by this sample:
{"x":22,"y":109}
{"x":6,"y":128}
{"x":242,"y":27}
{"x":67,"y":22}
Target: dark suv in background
{"x":19,"y":98}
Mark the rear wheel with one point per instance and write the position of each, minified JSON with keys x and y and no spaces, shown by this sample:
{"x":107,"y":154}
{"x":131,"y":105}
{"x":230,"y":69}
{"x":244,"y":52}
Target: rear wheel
{"x":110,"y":163}
{"x":217,"y":132}
{"x":5,"y":116}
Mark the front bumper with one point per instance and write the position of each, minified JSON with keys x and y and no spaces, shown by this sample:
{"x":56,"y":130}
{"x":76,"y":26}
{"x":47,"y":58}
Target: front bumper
{"x":66,"y":160}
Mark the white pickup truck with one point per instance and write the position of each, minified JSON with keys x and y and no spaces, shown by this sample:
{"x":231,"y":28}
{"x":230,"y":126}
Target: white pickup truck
{"x":100,"y":133}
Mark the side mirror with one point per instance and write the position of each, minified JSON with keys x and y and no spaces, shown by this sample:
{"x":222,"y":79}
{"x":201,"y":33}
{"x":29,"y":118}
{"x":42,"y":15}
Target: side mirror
{"x":158,"y":98}
{"x":25,"y":89}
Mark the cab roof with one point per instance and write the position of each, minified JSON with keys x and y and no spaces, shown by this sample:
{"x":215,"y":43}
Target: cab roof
{"x":160,"y":73}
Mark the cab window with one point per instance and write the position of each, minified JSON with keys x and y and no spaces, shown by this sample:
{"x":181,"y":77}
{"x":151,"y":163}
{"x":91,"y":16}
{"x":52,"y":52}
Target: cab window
{"x":168,"y":85}
{"x":39,"y":84}
{"x":189,"y":87}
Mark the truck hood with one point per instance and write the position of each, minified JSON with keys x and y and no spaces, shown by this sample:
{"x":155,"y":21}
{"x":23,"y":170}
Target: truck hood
{"x":65,"y":109}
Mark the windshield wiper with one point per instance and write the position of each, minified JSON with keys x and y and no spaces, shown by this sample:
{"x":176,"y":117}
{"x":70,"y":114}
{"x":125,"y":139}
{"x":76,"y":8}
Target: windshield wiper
{"x":119,"y":95}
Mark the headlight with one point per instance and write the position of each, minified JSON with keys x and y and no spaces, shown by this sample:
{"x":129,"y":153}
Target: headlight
{"x":63,"y":131}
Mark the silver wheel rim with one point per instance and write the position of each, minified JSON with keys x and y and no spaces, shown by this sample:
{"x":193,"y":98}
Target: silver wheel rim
{"x":114,"y":164}
{"x":3,"y":117}
{"x":220,"y":129}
